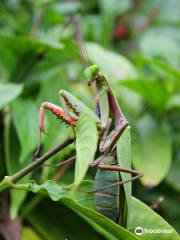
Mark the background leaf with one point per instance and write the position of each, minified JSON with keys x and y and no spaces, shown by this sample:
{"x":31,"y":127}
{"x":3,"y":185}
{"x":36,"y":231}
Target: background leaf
{"x":8,"y":92}
{"x":53,"y":227}
{"x":28,"y":233}
{"x":25,"y":117}
{"x":153,"y":92}
{"x":164,"y":9}
{"x":166,"y":46}
{"x":115,"y":66}
{"x":151,"y":151}
{"x":106,"y":227}
{"x":173,"y":102}
{"x":173,"y":177}
{"x":12,"y":150}
{"x":21,"y":54}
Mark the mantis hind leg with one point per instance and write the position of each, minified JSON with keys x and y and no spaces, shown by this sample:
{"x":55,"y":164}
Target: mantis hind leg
{"x":105,"y":167}
{"x":62,"y":167}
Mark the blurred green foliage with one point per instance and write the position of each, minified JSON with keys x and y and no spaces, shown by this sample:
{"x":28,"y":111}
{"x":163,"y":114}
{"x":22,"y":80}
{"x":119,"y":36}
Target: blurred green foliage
{"x":136,"y":45}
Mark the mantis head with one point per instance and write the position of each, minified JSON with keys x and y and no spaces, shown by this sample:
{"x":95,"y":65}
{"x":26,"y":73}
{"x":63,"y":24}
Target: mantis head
{"x":91,"y":73}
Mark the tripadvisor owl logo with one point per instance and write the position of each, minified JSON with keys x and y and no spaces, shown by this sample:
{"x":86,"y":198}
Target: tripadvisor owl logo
{"x":138,"y":231}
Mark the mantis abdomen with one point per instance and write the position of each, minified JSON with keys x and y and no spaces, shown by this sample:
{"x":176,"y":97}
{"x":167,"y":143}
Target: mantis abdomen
{"x":108,"y":200}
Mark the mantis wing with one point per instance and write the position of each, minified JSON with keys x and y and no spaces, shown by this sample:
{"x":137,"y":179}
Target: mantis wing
{"x":124,"y":160}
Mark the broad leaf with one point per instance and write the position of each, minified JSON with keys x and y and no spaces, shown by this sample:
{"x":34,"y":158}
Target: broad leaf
{"x":124,"y":160}
{"x":149,"y":219}
{"x":28,"y":233}
{"x":99,"y":223}
{"x":103,"y":225}
{"x":173,"y":177}
{"x":51,"y":188}
{"x":165,"y":9}
{"x":114,"y":7}
{"x":12,"y":153}
{"x":153,"y":92}
{"x":86,"y":145}
{"x":67,"y":7}
{"x":173,"y":102}
{"x":60,"y":223}
{"x":19,"y":55}
{"x":163,"y":65}
{"x":56,"y":191}
{"x":25,"y":118}
{"x":115,"y":66}
{"x":165,"y":46}
{"x":110,"y":10}
{"x":144,"y":217}
{"x":8,"y":92}
{"x":151,"y":151}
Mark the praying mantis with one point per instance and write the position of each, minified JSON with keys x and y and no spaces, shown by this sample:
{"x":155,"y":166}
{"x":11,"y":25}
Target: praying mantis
{"x":110,"y":196}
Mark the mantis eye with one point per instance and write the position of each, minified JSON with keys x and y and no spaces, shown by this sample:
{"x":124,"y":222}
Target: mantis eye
{"x":91,"y":71}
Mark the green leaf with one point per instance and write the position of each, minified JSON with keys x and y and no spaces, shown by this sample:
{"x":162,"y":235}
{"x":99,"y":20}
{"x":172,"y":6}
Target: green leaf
{"x":20,"y":54}
{"x":114,"y":7}
{"x":165,"y":9}
{"x":28,"y":233}
{"x":12,"y":153}
{"x":161,"y":65}
{"x":115,"y":66}
{"x":19,"y":60}
{"x":103,"y":225}
{"x":151,"y":151}
{"x":173,"y":102}
{"x":173,"y":177}
{"x":144,"y":217}
{"x":8,"y":92}
{"x":54,"y":190}
{"x":110,"y":10}
{"x":60,"y":222}
{"x":86,"y":145}
{"x":51,"y":188}
{"x":165,"y":46}
{"x":25,"y":118}
{"x":98,"y":222}
{"x":153,"y":92}
{"x":67,"y":7}
{"x":124,"y":160}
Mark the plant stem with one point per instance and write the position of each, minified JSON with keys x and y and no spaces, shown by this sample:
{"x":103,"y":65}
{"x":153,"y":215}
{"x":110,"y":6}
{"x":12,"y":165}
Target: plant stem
{"x":17,"y":176}
{"x":8,"y":181}
{"x":7,"y":120}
